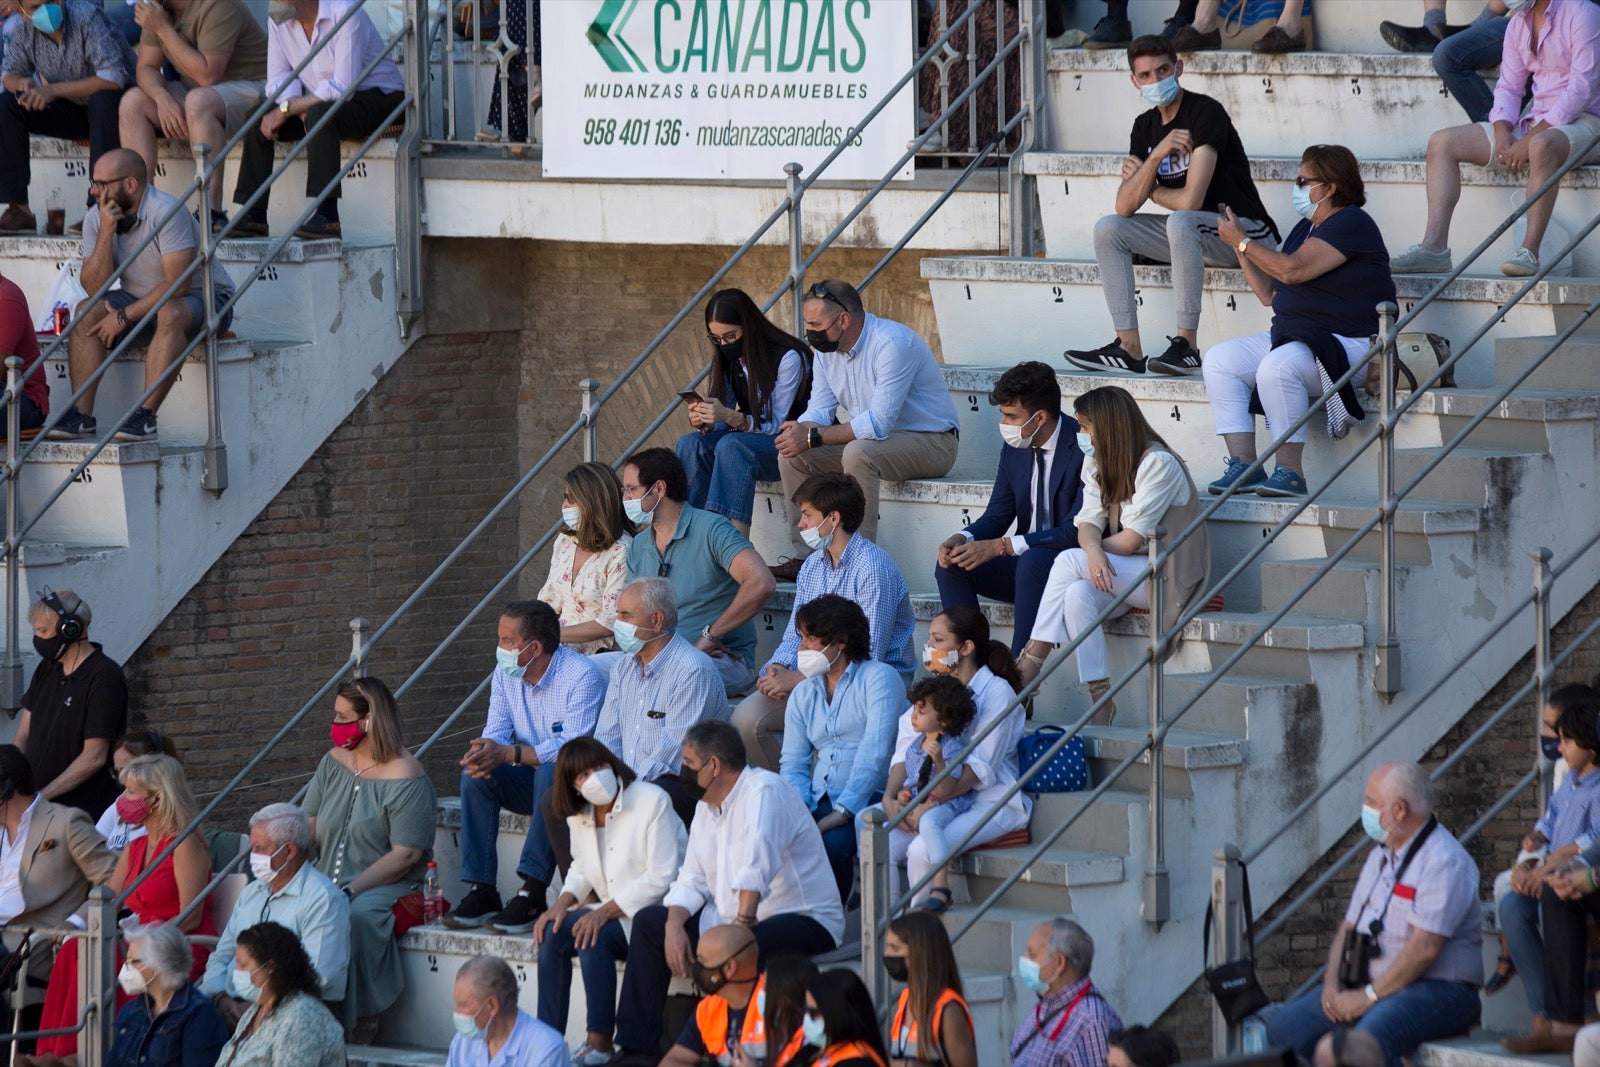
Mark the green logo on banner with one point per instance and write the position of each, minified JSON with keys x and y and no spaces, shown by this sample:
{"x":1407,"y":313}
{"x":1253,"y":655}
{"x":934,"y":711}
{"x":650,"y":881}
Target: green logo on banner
{"x":780,"y":36}
{"x":605,"y":33}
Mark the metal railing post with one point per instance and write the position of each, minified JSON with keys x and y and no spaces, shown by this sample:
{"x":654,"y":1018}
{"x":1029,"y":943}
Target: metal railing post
{"x":97,"y":972}
{"x":409,"y":214}
{"x":1386,"y":672}
{"x":358,"y":645}
{"x":1157,"y":885}
{"x":591,"y":440}
{"x":214,"y":469}
{"x":1020,"y":186}
{"x":11,"y":674}
{"x":874,"y":902}
{"x":1542,"y":582}
{"x":1227,"y":938}
{"x":797,"y":270}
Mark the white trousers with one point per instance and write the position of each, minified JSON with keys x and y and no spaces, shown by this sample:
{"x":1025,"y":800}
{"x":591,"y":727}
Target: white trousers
{"x":930,"y":845}
{"x":1286,"y":377}
{"x":1071,"y":602}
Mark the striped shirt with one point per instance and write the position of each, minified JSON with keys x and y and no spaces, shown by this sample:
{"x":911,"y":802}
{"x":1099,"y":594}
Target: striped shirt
{"x":1050,"y":1035}
{"x":563,"y":704}
{"x":649,"y":707}
{"x":866,"y":574}
{"x":1573,"y":814}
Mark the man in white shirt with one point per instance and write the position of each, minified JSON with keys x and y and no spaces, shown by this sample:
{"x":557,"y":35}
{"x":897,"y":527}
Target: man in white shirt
{"x":365,"y":105}
{"x":491,"y":1031}
{"x":755,"y":859}
{"x":289,"y":891}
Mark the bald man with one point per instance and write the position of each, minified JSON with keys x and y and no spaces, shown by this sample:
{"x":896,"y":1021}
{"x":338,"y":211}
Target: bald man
{"x":726,"y":969}
{"x":1415,"y":908}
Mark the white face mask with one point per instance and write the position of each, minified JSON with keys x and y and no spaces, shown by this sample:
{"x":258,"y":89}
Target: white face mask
{"x":812,"y":662}
{"x":635,"y":511}
{"x":1085,"y":444}
{"x":1017,"y":436}
{"x":570,"y":516}
{"x":600,"y":787}
{"x":261,"y":865}
{"x":467,"y":1025}
{"x":243,"y":986}
{"x":131,"y":981}
{"x":813,"y":536}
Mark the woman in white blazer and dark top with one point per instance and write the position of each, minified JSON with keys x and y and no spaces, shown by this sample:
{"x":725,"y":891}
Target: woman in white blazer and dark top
{"x":627,"y":847}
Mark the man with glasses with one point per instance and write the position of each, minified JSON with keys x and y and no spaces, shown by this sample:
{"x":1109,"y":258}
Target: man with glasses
{"x":65,"y":69}
{"x":901,"y":422}
{"x":152,"y":238}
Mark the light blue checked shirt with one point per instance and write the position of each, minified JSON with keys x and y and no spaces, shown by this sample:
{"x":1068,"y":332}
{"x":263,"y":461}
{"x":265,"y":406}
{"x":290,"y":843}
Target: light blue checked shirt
{"x":867,"y":575}
{"x":1573,"y":814}
{"x":888,"y":383}
{"x":650,"y":707}
{"x":842,"y":747}
{"x":563,"y":704}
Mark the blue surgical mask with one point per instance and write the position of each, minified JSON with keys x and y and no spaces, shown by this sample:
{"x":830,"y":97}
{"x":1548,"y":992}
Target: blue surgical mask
{"x":1085,"y":444}
{"x":813,"y":536}
{"x":48,"y":18}
{"x":570,"y":517}
{"x":635,"y":511}
{"x":506,"y":660}
{"x":1551,"y":746}
{"x":1028,"y":972}
{"x":1372,"y":823}
{"x":1513,"y":6}
{"x":467,"y":1025}
{"x":816,"y":1031}
{"x":1301,"y":198}
{"x":627,"y":635}
{"x":1161,"y":93}
{"x":243,"y":986}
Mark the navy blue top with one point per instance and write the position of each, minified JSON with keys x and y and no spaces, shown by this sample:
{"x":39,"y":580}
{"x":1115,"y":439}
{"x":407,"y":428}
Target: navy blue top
{"x":189,"y":1033}
{"x":1345,"y":299}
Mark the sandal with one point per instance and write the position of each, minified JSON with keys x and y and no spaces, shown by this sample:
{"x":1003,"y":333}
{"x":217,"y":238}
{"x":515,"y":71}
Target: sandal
{"x":1504,"y":971}
{"x":939,"y":900}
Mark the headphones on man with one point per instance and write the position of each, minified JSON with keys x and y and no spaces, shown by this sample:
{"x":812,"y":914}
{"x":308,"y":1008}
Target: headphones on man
{"x":71,"y":626}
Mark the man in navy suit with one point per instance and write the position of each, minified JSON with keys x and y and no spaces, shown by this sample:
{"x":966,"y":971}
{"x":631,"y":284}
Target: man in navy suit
{"x":1039,"y":488}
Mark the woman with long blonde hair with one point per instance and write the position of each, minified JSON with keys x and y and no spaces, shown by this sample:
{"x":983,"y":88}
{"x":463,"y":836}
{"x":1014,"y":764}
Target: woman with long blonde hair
{"x":589,"y":559}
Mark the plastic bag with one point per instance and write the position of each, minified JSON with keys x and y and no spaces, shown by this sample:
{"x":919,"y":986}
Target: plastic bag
{"x":1556,"y":237}
{"x":67,"y":291}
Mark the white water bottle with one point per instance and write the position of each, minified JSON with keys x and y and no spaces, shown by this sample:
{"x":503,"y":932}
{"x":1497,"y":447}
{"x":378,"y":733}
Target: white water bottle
{"x":432,"y":897}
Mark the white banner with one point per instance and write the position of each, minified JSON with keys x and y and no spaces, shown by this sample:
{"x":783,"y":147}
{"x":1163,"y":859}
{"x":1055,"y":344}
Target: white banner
{"x":724,"y":89}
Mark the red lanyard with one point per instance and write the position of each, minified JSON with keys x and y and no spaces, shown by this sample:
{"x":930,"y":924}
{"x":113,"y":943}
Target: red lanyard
{"x":1038,"y":1024}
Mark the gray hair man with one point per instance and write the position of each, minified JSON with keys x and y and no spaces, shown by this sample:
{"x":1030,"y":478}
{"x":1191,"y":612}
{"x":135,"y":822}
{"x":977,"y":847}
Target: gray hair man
{"x":288,"y":890}
{"x":1071,"y":1023}
{"x":1406,"y":963}
{"x":490,"y":1028}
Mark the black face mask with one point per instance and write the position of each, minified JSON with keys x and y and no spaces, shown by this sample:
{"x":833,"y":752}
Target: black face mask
{"x":897,"y":968}
{"x":730,"y":350}
{"x":711,"y":979}
{"x":691,"y":781}
{"x":818,"y":339}
{"x":1550,"y":745}
{"x":50,"y":649}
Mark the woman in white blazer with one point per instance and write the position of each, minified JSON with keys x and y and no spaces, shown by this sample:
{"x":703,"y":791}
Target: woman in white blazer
{"x":627,"y":846}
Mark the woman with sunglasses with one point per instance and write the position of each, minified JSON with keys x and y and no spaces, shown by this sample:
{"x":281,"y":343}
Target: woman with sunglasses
{"x":760,"y":378}
{"x":1323,"y":286}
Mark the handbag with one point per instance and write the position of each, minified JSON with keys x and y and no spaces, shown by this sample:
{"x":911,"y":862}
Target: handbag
{"x":1233,"y":984}
{"x":1419,"y":346}
{"x":1065,"y":772}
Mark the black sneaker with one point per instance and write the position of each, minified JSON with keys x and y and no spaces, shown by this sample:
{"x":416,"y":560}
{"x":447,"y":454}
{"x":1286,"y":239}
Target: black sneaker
{"x":1408,"y":38}
{"x":1180,"y":358}
{"x":518,"y":916}
{"x":1110,"y":32}
{"x":475,"y":908}
{"x":141,"y":426}
{"x":73,"y":426}
{"x":1112,"y":357}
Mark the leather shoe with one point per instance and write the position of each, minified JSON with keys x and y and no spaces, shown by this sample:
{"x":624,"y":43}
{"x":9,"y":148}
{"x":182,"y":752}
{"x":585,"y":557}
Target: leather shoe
{"x":787,"y":571}
{"x":1190,"y":39}
{"x":1276,"y":43}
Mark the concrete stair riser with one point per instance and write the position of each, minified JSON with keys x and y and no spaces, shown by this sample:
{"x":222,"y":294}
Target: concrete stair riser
{"x":1575,"y":365}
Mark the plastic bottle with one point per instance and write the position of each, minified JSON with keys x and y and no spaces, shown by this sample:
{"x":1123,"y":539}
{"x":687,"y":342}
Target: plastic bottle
{"x":432,"y":897}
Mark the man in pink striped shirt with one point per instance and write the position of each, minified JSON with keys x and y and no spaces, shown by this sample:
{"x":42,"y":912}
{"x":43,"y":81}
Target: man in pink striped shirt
{"x":1556,"y":45}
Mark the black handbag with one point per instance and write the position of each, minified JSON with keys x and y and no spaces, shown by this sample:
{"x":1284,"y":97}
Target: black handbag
{"x":1233,"y":984}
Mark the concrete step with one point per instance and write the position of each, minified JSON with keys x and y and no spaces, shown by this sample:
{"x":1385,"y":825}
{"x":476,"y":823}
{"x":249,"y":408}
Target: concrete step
{"x":1284,"y":652}
{"x":999,"y":310}
{"x":1378,"y":105}
{"x":1575,"y":365}
{"x":1348,"y":591}
{"x":1479,"y":1049}
{"x":1046,"y":884}
{"x":383,"y":1056}
{"x":1077,"y":188}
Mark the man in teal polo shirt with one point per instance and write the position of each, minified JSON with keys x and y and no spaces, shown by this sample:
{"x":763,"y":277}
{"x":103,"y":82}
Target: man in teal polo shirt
{"x":720,"y":579}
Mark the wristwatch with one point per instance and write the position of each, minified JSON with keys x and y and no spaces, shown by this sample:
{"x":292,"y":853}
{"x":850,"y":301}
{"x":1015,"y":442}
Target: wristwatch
{"x":706,"y":633}
{"x":1372,"y":994}
{"x":284,"y":108}
{"x":813,"y":437}
{"x":1243,"y":244}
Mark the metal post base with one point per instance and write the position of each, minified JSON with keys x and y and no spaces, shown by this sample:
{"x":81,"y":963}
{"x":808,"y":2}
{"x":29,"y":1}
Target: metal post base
{"x":1386,"y":673}
{"x":1157,"y":897}
{"x":11,"y":688}
{"x":214,"y":476}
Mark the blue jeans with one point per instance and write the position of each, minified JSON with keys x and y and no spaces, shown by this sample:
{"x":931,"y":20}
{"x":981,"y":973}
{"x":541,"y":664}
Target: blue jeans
{"x":1519,"y":921}
{"x":1425,"y":1010}
{"x":1458,"y":60}
{"x":724,"y":467}
{"x":840,"y":845}
{"x":517,"y":789}
{"x":598,"y":963}
{"x":1015,"y":580}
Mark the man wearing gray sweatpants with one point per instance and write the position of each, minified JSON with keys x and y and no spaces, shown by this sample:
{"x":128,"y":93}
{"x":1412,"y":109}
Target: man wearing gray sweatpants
{"x":1185,"y":156}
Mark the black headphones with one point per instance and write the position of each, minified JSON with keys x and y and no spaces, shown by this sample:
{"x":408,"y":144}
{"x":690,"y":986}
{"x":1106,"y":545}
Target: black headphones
{"x":71,"y":626}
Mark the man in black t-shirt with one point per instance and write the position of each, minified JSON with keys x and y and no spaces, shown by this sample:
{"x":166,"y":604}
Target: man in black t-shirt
{"x":1184,"y":155}
{"x":74,"y":709}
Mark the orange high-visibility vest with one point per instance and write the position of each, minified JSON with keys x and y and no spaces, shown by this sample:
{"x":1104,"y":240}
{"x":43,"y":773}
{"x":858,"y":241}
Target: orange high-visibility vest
{"x":836,"y":1054}
{"x":711,"y":1018}
{"x":906,"y":1048}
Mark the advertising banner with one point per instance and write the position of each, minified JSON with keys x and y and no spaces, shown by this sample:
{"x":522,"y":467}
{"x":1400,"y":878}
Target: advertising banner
{"x":724,"y":89}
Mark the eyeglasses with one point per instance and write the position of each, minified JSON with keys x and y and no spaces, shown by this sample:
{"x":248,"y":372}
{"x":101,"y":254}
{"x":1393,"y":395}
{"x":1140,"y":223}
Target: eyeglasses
{"x":1302,"y":182}
{"x":726,"y":339}
{"x":95,"y":183}
{"x":819,"y":291}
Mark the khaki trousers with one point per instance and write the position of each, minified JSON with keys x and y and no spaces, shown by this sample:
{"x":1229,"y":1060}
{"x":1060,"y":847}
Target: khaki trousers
{"x":897,"y":458}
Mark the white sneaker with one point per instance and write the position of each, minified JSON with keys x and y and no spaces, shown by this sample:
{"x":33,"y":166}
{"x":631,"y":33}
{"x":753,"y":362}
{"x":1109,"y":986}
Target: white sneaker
{"x":1419,"y":260}
{"x":1522,"y":264}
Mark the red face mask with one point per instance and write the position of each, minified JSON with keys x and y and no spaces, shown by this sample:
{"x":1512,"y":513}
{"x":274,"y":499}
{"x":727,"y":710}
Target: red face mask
{"x":346,"y":735}
{"x":133,"y":810}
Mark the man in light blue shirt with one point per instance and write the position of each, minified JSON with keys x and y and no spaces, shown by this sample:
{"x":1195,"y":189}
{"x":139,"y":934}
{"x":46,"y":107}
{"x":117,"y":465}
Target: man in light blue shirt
{"x":839,"y":726}
{"x":879,"y":407}
{"x":291,"y":892}
{"x":491,"y":1031}
{"x":542,"y":695}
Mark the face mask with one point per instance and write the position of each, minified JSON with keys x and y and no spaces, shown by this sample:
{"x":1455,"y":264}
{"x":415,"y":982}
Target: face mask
{"x":1551,"y":746}
{"x":813,"y":536}
{"x":812,"y":662}
{"x":708,"y":979}
{"x":280,"y":11}
{"x":570,"y":516}
{"x":627,"y":635}
{"x":346,"y":735}
{"x":818,"y":339}
{"x":131,"y":981}
{"x":816,"y":1031}
{"x":133,"y":811}
{"x":50,"y":648}
{"x":691,"y":781}
{"x":261,"y":865}
{"x":600,"y":787}
{"x":1028,"y":972}
{"x":243,"y":986}
{"x":1301,"y":199}
{"x":1161,"y":93}
{"x":1017,"y":436}
{"x":505,"y":659}
{"x":467,"y":1025}
{"x":48,"y":18}
{"x":1372,"y":823}
{"x":729,"y":350}
{"x":939,"y":661}
{"x":1085,"y":444}
{"x":897,"y":967}
{"x":1513,"y":6}
{"x":635,"y":511}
